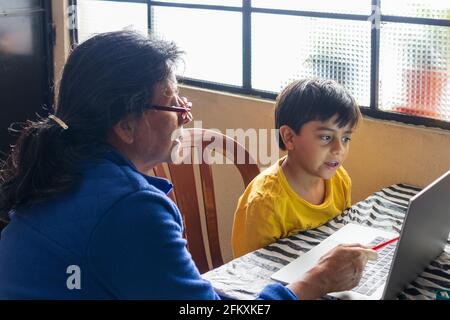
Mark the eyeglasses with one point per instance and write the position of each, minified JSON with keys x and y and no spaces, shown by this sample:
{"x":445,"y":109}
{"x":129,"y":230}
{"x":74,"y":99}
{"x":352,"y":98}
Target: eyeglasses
{"x":185,"y":111}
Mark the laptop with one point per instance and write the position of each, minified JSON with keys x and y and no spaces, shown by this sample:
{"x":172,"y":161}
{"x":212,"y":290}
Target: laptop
{"x":423,"y":237}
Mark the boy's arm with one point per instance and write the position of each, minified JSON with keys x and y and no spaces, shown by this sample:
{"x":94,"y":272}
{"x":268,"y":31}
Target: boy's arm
{"x":256,"y":225}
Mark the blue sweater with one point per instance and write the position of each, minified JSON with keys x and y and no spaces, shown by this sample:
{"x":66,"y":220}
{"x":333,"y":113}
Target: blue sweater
{"x":116,"y":236}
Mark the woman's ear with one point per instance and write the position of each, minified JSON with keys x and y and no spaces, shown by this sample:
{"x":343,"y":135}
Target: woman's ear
{"x":125,"y":130}
{"x":287,"y":135}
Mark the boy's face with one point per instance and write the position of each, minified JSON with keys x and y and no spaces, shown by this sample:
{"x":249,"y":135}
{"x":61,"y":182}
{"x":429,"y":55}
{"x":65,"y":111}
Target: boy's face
{"x":320,"y":148}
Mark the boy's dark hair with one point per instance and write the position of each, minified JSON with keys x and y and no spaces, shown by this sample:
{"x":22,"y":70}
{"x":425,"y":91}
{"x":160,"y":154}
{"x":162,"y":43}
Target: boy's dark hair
{"x":314,"y":100}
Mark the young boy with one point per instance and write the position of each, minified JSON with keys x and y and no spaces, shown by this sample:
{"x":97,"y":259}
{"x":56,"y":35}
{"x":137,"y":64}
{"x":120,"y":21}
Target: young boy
{"x":309,"y":186}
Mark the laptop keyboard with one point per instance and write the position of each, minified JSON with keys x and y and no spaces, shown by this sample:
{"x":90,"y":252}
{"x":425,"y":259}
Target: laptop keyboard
{"x":376,"y":272}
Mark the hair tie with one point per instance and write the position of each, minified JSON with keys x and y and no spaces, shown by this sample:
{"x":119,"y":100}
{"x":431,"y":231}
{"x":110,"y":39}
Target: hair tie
{"x":61,"y":123}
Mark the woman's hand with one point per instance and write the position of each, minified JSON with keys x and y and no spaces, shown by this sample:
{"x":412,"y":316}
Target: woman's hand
{"x":338,"y":270}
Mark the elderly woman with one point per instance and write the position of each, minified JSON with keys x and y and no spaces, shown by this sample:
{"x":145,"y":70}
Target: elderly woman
{"x":84,"y":220}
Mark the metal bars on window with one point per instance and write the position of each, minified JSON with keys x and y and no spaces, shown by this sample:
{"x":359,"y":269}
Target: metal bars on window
{"x":247,"y":11}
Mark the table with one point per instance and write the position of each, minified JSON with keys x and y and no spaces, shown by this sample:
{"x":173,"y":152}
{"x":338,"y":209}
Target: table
{"x":246,"y":276}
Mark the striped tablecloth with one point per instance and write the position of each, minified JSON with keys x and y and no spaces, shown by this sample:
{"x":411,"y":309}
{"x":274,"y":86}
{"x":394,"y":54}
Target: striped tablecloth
{"x":245,"y":277}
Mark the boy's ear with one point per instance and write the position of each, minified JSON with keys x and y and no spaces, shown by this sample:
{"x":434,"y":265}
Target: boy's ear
{"x":287,"y":135}
{"x":125,"y":129}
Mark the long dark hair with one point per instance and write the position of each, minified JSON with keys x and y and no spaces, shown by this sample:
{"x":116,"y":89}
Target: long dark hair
{"x":105,"y":78}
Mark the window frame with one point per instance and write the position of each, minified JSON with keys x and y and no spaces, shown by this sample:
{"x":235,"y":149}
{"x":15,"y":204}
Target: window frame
{"x":246,"y":9}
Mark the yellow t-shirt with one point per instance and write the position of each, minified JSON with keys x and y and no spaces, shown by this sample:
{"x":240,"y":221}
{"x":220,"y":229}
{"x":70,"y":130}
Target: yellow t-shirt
{"x":270,"y":209}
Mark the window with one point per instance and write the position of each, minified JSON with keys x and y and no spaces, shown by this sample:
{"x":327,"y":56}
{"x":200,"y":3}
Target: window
{"x":213,"y":52}
{"x":339,"y":49}
{"x":394,"y":56}
{"x":95,"y":17}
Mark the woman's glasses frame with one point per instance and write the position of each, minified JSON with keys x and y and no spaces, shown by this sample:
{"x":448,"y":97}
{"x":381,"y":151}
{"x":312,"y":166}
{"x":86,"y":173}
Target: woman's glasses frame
{"x":185,"y":111}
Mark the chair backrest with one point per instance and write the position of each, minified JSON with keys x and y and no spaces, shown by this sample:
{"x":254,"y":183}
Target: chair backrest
{"x":203,"y":142}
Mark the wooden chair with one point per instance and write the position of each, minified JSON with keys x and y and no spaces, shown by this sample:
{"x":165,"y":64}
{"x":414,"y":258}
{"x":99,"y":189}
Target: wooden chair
{"x":199,"y":143}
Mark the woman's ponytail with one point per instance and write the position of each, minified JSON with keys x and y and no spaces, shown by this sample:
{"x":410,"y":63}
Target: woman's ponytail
{"x":36,"y":166}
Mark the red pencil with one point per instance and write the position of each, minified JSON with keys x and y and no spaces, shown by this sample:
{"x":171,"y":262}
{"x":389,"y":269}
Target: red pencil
{"x":385,"y":243}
